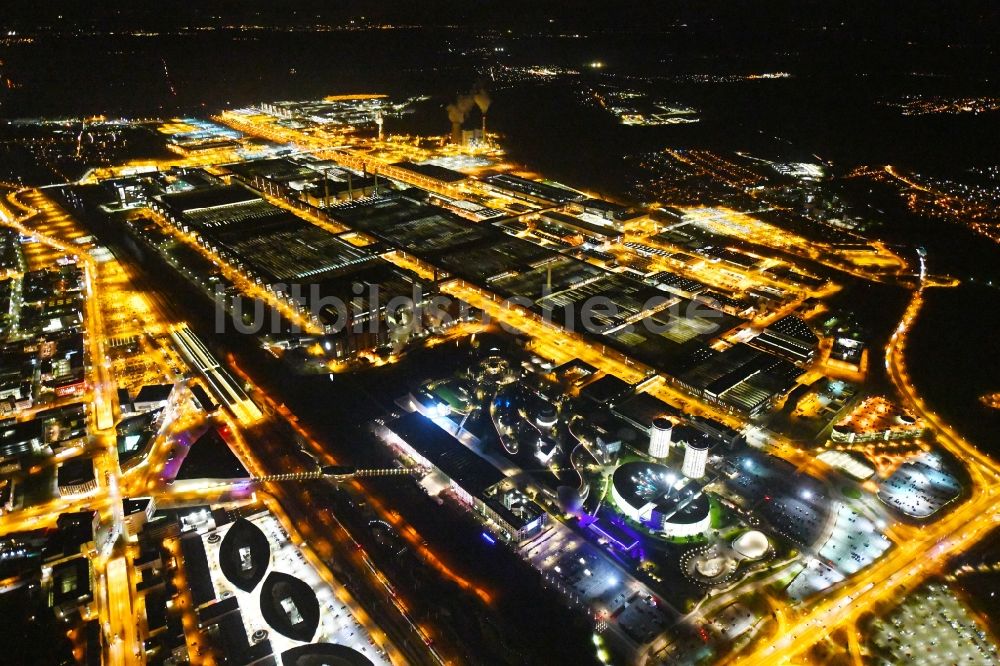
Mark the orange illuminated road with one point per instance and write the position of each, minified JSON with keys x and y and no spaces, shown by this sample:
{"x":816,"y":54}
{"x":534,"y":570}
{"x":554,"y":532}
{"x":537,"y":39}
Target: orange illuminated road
{"x":39,"y":214}
{"x":316,"y":539}
{"x":918,"y":551}
{"x":920,"y":554}
{"x":323,"y":532}
{"x":51,"y":226}
{"x":117,"y":599}
{"x":123,"y":646}
{"x":915,"y":558}
{"x":558,"y":345}
{"x":115,"y":591}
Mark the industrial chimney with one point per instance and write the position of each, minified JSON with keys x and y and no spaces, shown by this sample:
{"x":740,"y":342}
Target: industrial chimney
{"x":456,"y":114}
{"x":483,"y":101}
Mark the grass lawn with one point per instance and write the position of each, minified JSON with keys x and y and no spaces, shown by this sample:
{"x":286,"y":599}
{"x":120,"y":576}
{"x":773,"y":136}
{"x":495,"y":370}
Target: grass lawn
{"x":851,"y":492}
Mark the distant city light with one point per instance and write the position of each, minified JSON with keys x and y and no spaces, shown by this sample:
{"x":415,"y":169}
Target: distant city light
{"x":527,"y":436}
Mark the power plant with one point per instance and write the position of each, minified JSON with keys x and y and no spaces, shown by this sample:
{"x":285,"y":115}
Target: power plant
{"x":459,"y":110}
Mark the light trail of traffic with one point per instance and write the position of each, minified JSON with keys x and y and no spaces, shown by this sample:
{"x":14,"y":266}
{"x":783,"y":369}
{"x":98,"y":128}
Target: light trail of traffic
{"x":915,"y":559}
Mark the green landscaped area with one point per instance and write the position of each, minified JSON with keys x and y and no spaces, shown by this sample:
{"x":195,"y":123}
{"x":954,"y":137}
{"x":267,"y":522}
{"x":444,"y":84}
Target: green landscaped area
{"x":697,"y":538}
{"x":731,"y":532}
{"x":851,"y":492}
{"x":609,"y":500}
{"x":720,"y":516}
{"x":451,"y":397}
{"x":718,"y":513}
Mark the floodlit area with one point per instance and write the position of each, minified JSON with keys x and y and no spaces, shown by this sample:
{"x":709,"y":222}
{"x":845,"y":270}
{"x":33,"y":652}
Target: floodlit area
{"x":639,"y":399}
{"x":815,"y":577}
{"x":587,"y":578}
{"x":932,"y":626}
{"x":855,"y":543}
{"x":337,"y":624}
{"x":877,"y":419}
{"x":751,"y":545}
{"x":727,"y":222}
{"x":734,"y":621}
{"x":848,"y":463}
{"x":919,"y":487}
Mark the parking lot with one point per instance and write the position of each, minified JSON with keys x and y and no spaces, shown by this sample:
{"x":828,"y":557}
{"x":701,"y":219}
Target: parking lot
{"x":931,"y":627}
{"x":854,"y":543}
{"x":337,"y":624}
{"x":586,"y":577}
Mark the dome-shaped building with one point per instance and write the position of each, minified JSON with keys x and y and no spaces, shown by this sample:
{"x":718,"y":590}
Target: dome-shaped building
{"x":751,"y":545}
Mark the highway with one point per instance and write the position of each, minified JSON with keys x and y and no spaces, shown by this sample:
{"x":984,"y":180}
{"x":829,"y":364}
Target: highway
{"x":116,"y":597}
{"x":48,"y":224}
{"x":919,"y":551}
{"x":913,"y":560}
{"x":124,"y":647}
{"x":919,"y":555}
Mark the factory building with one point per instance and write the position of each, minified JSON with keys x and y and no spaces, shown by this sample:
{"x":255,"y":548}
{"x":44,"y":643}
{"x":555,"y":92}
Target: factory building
{"x":789,"y":337}
{"x":430,"y":176}
{"x":593,"y":235}
{"x":741,"y":379}
{"x":641,"y":409}
{"x":533,"y":191}
{"x":612,"y":212}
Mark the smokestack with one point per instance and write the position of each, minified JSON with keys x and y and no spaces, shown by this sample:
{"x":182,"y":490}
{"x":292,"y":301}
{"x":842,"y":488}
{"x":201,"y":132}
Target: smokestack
{"x":456,"y":114}
{"x":483,"y":101}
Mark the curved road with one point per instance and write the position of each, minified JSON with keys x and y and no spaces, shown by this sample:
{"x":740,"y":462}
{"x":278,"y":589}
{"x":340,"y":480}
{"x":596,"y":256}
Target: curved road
{"x":927,"y":548}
